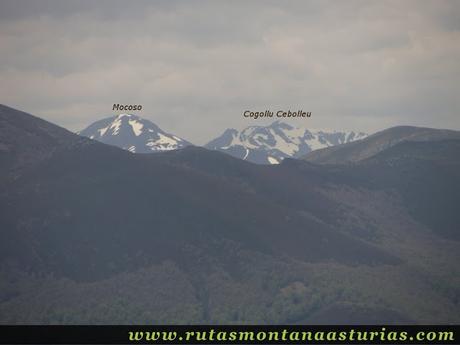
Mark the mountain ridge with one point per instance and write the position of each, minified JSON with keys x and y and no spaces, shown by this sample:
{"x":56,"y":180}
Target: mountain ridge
{"x":377,"y":142}
{"x":27,"y":139}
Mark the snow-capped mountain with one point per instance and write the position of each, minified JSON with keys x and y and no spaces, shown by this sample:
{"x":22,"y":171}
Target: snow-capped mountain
{"x":271,"y":144}
{"x":133,"y":133}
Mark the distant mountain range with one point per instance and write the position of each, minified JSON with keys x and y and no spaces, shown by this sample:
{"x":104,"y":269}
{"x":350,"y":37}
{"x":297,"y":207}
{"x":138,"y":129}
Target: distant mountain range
{"x":92,"y":234}
{"x":256,"y":144}
{"x":133,"y":133}
{"x":271,"y":144}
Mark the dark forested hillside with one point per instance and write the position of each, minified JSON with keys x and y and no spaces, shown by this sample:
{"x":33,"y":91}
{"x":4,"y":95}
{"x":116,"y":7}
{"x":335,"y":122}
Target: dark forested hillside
{"x":94,"y":234}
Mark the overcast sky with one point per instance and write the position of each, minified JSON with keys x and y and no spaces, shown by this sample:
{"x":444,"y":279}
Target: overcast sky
{"x":196,"y":66}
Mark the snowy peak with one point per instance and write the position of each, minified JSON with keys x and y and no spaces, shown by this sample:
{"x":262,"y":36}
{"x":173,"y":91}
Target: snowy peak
{"x":126,"y":121}
{"x":133,"y":133}
{"x":271,"y":144}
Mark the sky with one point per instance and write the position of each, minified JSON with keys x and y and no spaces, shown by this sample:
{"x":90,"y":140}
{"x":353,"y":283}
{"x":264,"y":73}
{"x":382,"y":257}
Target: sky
{"x":196,"y":66}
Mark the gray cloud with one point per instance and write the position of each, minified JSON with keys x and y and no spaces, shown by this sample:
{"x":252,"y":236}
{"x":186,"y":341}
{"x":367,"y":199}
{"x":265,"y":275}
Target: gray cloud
{"x":196,"y":66}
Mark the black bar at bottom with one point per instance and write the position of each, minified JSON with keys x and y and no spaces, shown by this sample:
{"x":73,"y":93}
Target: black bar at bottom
{"x":288,"y":334}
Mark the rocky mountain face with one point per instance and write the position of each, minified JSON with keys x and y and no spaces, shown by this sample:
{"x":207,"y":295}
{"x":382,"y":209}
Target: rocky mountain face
{"x":92,"y":234}
{"x":378,"y":142}
{"x":271,"y":144}
{"x":133,"y":133}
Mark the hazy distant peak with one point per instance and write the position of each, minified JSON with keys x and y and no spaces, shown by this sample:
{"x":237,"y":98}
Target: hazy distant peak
{"x":133,"y":133}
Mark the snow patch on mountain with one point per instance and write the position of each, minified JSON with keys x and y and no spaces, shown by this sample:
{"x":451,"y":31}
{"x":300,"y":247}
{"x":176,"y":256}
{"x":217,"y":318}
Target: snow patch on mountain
{"x":136,"y":126}
{"x":272,"y":160}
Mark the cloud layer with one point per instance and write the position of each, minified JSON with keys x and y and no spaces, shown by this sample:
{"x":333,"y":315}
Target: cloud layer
{"x":196,"y":66}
